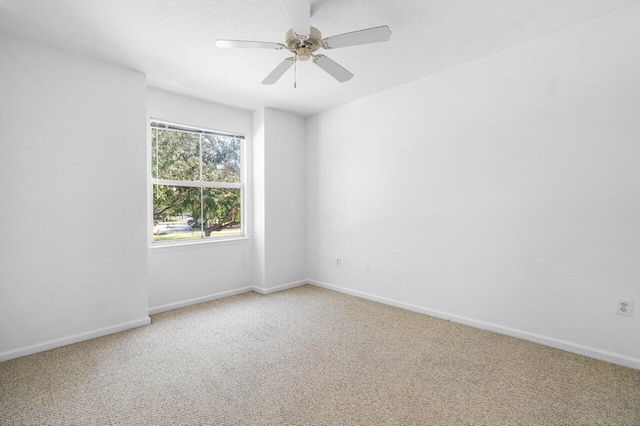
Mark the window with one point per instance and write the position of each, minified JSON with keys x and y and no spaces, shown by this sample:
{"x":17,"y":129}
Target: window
{"x":197,"y":183}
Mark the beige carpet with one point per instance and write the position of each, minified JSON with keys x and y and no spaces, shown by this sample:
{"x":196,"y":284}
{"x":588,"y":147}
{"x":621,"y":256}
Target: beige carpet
{"x":311,"y":356}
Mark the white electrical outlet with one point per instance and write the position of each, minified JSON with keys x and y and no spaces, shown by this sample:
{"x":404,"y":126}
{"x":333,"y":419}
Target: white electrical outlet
{"x":338,"y":262}
{"x":624,"y":307}
{"x":367,"y":267}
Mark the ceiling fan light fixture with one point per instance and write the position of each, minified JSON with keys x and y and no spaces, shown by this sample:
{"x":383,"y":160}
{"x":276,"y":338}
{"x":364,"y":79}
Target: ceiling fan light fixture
{"x":303,"y":54}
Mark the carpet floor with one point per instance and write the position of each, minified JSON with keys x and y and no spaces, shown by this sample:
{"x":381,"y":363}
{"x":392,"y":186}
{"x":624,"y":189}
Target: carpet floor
{"x":310,"y":356}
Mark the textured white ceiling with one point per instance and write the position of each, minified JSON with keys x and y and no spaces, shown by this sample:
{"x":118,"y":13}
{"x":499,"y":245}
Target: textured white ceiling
{"x":172,"y":40}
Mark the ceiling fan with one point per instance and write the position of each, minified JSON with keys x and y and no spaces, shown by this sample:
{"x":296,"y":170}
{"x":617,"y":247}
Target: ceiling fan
{"x":303,"y":41}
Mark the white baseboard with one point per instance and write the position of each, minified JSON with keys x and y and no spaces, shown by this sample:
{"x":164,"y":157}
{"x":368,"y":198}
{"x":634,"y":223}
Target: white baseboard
{"x":275,"y":289}
{"x":207,"y":298}
{"x":75,"y":338}
{"x":579,"y":349}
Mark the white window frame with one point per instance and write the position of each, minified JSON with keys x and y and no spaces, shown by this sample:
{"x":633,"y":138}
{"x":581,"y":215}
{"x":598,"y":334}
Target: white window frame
{"x":197,"y":183}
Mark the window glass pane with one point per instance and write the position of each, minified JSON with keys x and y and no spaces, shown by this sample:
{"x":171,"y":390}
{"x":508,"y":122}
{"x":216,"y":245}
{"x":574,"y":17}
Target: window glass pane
{"x":222,"y":212}
{"x":221,"y":158}
{"x":175,"y":155}
{"x":176,"y":213}
{"x":154,"y":153}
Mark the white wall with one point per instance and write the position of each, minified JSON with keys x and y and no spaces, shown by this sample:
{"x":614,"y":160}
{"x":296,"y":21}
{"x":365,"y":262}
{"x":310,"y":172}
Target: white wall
{"x":280,"y":199}
{"x":181,"y":275}
{"x":259,"y":178}
{"x":72,"y":251}
{"x":504,"y":193}
{"x":286,"y":203}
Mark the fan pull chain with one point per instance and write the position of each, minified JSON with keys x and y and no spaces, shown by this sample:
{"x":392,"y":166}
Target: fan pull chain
{"x":295,"y":73}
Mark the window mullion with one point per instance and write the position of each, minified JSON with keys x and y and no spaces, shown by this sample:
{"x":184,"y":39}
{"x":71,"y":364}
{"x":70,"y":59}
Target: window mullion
{"x":221,"y":185}
{"x":170,"y":182}
{"x":196,"y":183}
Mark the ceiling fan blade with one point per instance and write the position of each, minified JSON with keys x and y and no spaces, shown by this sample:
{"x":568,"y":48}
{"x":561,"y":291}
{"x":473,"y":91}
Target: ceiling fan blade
{"x":300,"y":16}
{"x":248,"y":44}
{"x":371,"y":35}
{"x":279,"y":71}
{"x":332,"y":68}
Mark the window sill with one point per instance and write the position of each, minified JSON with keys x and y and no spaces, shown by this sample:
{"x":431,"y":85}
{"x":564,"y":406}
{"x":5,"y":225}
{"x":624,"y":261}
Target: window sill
{"x":192,"y":244}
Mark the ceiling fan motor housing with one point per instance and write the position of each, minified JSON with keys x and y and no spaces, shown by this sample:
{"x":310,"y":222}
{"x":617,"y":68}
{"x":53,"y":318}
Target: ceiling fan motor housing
{"x":304,"y":46}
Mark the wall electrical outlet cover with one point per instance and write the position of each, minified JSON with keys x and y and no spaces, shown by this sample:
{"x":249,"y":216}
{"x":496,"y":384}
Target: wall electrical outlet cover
{"x":624,"y":307}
